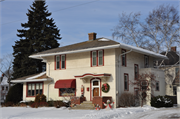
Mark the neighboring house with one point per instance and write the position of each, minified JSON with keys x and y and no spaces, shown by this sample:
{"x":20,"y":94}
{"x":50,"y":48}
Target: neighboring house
{"x":171,"y":68}
{"x":91,"y":64}
{"x":4,"y":88}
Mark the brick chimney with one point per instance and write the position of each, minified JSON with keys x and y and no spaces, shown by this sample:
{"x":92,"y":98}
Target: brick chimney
{"x":92,"y":36}
{"x":173,"y":48}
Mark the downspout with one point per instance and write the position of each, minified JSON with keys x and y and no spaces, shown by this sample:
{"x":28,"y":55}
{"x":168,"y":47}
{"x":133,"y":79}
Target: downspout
{"x":50,"y":82}
{"x":119,"y":74}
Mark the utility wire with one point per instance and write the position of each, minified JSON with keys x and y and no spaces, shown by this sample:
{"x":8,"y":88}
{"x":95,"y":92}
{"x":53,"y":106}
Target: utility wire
{"x":52,"y":11}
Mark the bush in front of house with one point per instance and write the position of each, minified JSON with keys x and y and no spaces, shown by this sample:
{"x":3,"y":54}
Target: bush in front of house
{"x":127,"y":99}
{"x":59,"y":104}
{"x":161,"y":101}
{"x":15,"y":94}
{"x":40,"y":98}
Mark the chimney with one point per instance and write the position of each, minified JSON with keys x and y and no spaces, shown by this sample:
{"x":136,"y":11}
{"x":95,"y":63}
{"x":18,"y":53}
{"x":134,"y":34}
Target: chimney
{"x":173,"y":48}
{"x":92,"y":36}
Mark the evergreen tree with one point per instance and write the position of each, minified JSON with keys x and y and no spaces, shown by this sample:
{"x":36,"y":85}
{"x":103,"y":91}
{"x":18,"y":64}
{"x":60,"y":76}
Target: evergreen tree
{"x":39,"y":34}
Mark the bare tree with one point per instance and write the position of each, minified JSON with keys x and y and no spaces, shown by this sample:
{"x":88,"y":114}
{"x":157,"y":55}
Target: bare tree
{"x":162,"y":27}
{"x":6,"y":66}
{"x":129,"y":30}
{"x":145,"y":83}
{"x":158,"y":33}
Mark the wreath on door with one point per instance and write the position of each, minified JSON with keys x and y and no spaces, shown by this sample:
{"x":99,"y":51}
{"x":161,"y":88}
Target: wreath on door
{"x":105,"y":87}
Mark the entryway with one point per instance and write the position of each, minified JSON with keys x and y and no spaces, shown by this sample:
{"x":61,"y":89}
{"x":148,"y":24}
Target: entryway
{"x":95,"y":87}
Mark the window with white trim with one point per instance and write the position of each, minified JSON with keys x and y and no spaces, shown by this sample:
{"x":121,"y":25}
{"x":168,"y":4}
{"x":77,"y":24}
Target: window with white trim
{"x":60,"y":62}
{"x":136,"y":71}
{"x":97,"y":58}
{"x":34,"y":89}
{"x":100,"y":57}
{"x":94,"y":59}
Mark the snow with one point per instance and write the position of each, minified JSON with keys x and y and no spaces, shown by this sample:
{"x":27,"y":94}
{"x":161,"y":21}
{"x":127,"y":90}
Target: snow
{"x":145,"y":112}
{"x":4,"y":81}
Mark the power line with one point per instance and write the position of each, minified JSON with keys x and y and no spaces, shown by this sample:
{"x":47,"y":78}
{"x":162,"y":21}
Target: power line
{"x":53,"y":11}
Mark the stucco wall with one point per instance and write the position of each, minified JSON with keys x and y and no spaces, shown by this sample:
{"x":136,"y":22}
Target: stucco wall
{"x":79,"y":64}
{"x":132,"y":58}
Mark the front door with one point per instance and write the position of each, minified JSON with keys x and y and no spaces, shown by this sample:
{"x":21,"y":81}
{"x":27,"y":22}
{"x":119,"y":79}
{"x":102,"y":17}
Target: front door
{"x":95,"y":88}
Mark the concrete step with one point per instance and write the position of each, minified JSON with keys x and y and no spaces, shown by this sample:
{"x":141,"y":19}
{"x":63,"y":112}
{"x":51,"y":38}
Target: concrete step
{"x":87,"y":102}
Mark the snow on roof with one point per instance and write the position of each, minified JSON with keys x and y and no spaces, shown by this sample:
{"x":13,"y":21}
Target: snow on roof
{"x":142,"y":51}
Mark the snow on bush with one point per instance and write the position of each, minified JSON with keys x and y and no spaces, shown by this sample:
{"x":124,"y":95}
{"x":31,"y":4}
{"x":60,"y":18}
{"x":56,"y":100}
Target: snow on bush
{"x":161,"y":101}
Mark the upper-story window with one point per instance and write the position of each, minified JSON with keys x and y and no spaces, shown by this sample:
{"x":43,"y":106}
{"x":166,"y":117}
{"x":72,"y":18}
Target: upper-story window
{"x":123,"y":58}
{"x":60,"y":62}
{"x":157,"y":86}
{"x":136,"y":71}
{"x":146,"y":61}
{"x":97,"y":58}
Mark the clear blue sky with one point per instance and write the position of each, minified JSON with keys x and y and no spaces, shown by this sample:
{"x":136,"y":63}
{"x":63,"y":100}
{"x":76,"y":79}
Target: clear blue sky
{"x":74,"y":18}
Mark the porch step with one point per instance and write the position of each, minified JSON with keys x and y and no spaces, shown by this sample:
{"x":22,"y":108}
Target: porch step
{"x":86,"y":105}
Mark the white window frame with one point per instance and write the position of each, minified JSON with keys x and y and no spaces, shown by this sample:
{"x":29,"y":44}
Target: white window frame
{"x":64,"y":61}
{"x":98,"y":57}
{"x":95,"y":58}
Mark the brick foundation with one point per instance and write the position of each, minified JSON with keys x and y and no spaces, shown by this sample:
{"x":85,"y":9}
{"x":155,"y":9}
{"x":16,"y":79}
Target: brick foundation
{"x":78,"y":100}
{"x":99,"y":100}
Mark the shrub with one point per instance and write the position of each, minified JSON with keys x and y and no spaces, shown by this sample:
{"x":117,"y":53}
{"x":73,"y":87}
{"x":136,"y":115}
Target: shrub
{"x":59,"y":104}
{"x":15,"y":94}
{"x":40,"y":98}
{"x":161,"y":101}
{"x":127,"y":99}
{"x":39,"y":104}
{"x":7,"y":104}
{"x":50,"y":103}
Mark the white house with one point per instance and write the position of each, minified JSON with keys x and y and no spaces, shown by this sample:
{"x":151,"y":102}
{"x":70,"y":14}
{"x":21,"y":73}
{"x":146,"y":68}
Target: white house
{"x":91,"y":64}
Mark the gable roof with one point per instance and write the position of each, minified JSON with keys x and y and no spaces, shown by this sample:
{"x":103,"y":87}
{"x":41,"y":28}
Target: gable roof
{"x":99,"y":43}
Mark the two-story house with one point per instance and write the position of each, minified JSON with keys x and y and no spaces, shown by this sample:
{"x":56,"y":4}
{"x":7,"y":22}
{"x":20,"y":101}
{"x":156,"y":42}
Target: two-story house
{"x":91,"y":64}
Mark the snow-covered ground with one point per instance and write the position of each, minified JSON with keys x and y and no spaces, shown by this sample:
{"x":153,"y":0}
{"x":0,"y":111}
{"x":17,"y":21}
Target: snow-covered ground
{"x":145,"y":112}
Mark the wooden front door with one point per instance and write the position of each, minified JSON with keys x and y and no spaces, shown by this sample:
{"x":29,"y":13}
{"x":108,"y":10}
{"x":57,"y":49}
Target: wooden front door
{"x":95,"y":88}
{"x":95,"y":92}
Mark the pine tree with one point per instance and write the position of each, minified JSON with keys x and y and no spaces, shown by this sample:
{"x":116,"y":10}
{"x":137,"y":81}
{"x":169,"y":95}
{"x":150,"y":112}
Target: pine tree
{"x":39,"y":34}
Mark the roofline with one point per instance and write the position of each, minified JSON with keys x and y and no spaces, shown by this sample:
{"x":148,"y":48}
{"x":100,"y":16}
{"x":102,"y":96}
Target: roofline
{"x":32,"y":80}
{"x":36,"y":76}
{"x":144,"y":51}
{"x":121,"y":45}
{"x":75,"y":51}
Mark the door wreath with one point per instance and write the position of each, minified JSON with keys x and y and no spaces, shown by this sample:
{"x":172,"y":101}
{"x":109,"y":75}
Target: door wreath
{"x":105,"y":87}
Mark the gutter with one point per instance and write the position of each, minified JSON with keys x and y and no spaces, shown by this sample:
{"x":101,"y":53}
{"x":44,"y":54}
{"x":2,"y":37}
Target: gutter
{"x":75,"y":51}
{"x":31,"y":80}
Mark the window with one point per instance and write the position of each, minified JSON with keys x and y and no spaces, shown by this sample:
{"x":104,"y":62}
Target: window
{"x":157,"y":86}
{"x":136,"y":92}
{"x":144,"y":85}
{"x":174,"y":90}
{"x":6,"y":87}
{"x":177,"y":71}
{"x":94,"y":59}
{"x":67,"y":92}
{"x":60,"y":62}
{"x":100,"y":57}
{"x":136,"y":71}
{"x":146,"y":61}
{"x":126,"y":84}
{"x":2,"y":88}
{"x":34,"y":89}
{"x":97,"y":58}
{"x":123,"y":58}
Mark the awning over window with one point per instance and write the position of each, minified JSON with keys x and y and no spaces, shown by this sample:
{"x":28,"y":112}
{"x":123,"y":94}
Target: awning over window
{"x":68,"y":83}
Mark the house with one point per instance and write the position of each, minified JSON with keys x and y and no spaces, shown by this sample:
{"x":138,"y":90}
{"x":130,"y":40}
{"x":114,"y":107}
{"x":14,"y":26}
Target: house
{"x":90,"y":65}
{"x":4,"y":88}
{"x":171,"y":68}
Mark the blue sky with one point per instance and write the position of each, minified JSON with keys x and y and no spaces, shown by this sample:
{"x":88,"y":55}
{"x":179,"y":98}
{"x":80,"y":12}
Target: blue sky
{"x":74,"y":18}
